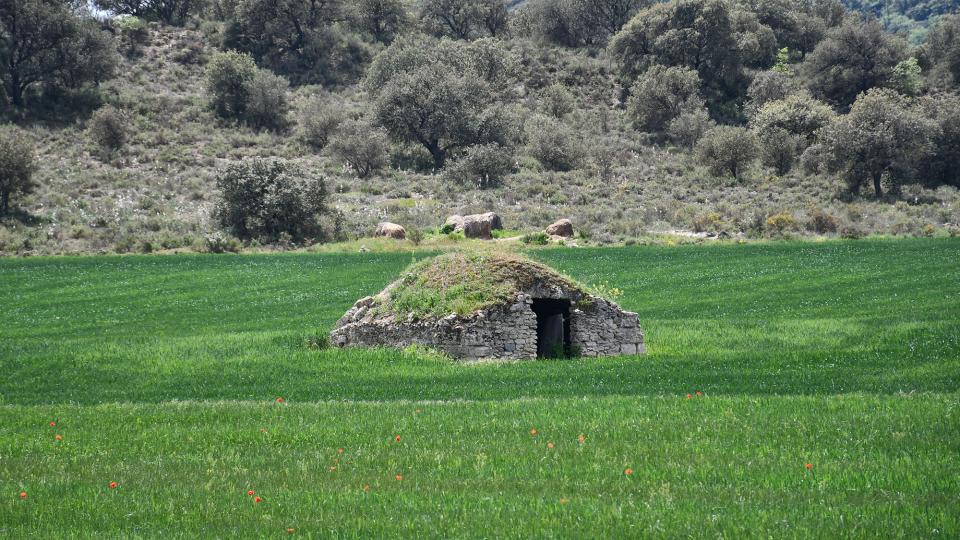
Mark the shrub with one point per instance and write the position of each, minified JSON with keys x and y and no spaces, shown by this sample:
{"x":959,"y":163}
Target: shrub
{"x":319,"y":121}
{"x":727,"y":149}
{"x":661,"y":94}
{"x":107,"y":128}
{"x":228,"y":82}
{"x":133,"y":33}
{"x":687,"y":129}
{"x":537,"y":239}
{"x":362,"y":146}
{"x":553,"y":144}
{"x":781,"y":223}
{"x":779,"y":149}
{"x":709,"y":222}
{"x":483,"y":165}
{"x":821,"y":222}
{"x":415,"y":235}
{"x":17,"y":165}
{"x":267,"y":105}
{"x":557,"y":101}
{"x":267,"y":199}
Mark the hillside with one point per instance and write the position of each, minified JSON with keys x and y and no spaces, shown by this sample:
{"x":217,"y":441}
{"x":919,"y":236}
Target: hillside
{"x":618,"y":181}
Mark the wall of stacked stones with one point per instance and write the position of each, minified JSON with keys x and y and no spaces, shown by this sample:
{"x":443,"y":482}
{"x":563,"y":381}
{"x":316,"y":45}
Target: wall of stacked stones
{"x":508,"y":332}
{"x":600,"y":328}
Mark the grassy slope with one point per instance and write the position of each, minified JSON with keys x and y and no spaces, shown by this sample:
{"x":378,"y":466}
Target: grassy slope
{"x":841,"y":354}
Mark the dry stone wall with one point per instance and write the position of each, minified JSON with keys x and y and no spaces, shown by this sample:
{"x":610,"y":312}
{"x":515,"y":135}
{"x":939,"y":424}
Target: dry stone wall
{"x":505,"y":332}
{"x":599,"y":327}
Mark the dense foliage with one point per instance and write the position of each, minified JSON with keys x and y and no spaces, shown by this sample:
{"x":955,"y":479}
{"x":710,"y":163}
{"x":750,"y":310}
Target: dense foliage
{"x":267,"y":200}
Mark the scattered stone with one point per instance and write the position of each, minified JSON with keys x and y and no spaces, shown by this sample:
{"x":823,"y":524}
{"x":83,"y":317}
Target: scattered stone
{"x":475,"y":225}
{"x":390,"y":230}
{"x":562,"y":228}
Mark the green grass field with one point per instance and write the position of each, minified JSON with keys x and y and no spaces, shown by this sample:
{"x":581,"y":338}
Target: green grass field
{"x":162,"y":374}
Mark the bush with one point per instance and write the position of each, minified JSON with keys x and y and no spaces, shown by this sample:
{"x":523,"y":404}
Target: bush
{"x":536,"y":239}
{"x":483,"y":166}
{"x":362,"y":146}
{"x":688,"y":128}
{"x":727,"y":149}
{"x":266,"y":200}
{"x":228,"y":82}
{"x":557,"y":101}
{"x":133,"y":33}
{"x":553,"y":144}
{"x":267,"y":105}
{"x":319,"y":121}
{"x":17,"y":165}
{"x":779,"y":149}
{"x":107,"y":128}
{"x":662,"y":94}
{"x":821,"y":222}
{"x":781,"y":223}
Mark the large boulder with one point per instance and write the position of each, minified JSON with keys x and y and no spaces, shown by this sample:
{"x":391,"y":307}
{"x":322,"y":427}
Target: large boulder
{"x":563,"y":227}
{"x":390,"y":230}
{"x":495,"y":222}
{"x":475,"y":225}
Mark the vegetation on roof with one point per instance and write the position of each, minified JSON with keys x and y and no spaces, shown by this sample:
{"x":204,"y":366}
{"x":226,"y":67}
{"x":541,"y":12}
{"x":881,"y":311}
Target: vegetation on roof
{"x":464,"y":282}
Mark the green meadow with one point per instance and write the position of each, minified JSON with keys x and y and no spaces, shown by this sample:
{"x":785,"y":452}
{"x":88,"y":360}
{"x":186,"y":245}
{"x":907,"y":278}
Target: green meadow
{"x":163,"y":373}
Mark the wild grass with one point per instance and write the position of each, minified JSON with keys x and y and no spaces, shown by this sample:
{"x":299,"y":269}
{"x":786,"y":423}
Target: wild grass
{"x":162,"y":374}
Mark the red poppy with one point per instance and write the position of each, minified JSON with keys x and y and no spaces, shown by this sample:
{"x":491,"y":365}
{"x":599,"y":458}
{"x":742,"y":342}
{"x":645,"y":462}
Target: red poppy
{"x":533,"y":432}
{"x":699,"y":393}
{"x":250,"y":493}
{"x":257,"y":499}
{"x":113,"y":485}
{"x":397,"y":438}
{"x":58,"y":437}
{"x":23,"y":494}
{"x":628,"y":471}
{"x":689,"y":396}
{"x":582,"y":439}
{"x":550,"y":445}
{"x":339,"y":450}
{"x":279,"y":400}
{"x":399,"y":477}
{"x":809,"y":466}
{"x":52,"y":423}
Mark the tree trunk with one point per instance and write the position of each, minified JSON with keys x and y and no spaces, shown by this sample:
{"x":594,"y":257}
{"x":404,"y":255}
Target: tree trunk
{"x":16,"y":92}
{"x":876,"y":184}
{"x":439,"y":154}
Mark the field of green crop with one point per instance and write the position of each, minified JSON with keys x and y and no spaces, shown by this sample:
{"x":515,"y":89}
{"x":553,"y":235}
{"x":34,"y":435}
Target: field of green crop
{"x":830,"y":406}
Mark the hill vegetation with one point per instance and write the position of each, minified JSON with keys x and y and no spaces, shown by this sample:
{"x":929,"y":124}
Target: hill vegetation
{"x":632,"y":118}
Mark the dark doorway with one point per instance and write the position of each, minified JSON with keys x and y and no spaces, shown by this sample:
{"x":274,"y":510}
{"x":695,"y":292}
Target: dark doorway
{"x":553,"y":327}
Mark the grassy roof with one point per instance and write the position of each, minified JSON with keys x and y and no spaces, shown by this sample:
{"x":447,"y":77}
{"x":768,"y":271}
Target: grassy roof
{"x":462,"y":283}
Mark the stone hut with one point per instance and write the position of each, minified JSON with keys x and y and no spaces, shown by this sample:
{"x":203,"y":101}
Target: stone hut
{"x":490,"y":306}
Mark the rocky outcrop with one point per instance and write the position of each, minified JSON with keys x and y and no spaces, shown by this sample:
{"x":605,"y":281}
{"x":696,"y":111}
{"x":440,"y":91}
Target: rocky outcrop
{"x":390,"y":230}
{"x":563,"y":228}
